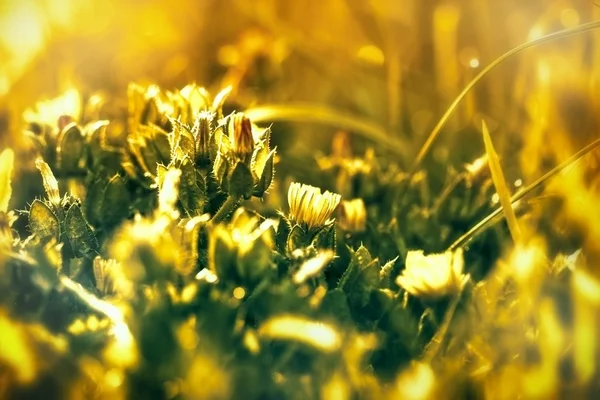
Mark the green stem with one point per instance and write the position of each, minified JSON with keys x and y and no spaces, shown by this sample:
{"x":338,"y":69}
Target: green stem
{"x":227,"y":208}
{"x":433,"y":347}
{"x":446,"y":193}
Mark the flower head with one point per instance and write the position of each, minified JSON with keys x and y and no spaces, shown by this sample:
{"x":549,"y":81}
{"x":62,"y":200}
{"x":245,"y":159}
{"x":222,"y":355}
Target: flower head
{"x":309,"y":206}
{"x":433,"y":275}
{"x":353,"y":215}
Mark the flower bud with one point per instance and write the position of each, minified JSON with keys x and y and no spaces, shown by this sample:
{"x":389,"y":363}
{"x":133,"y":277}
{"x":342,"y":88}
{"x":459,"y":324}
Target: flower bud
{"x":240,"y":131}
{"x":201,"y":130}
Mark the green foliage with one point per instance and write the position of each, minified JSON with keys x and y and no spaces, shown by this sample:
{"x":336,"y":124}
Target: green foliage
{"x":153,"y":281}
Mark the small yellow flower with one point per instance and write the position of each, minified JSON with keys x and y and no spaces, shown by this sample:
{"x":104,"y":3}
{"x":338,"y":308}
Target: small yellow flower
{"x":353,"y":215}
{"x":309,"y":206}
{"x":433,"y":275}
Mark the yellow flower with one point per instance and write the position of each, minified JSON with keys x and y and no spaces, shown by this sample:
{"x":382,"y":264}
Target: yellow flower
{"x":309,"y":206}
{"x":353,"y":216}
{"x":433,"y":275}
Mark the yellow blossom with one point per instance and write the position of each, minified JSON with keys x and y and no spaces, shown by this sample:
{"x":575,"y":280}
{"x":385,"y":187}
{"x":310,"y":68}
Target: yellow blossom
{"x":353,"y":215}
{"x":434,"y":274}
{"x":311,"y":207}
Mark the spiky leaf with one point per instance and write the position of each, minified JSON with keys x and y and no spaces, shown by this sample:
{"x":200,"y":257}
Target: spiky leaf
{"x":240,"y":181}
{"x":115,"y":204}
{"x":80,"y":235}
{"x":71,"y":145}
{"x":43,"y":222}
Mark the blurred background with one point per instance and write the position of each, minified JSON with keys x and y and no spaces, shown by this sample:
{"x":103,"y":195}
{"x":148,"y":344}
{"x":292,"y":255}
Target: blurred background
{"x":391,"y":67}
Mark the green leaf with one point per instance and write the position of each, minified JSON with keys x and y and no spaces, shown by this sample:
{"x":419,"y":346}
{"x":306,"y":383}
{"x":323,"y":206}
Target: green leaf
{"x":264,"y":173}
{"x":80,"y":235}
{"x":94,"y":199}
{"x":325,"y":238}
{"x":184,"y":139}
{"x":192,"y":196}
{"x":255,"y":260}
{"x":43,"y":222}
{"x":221,"y":253}
{"x":387,"y":274}
{"x":162,"y":145}
{"x":70,"y":150}
{"x":335,"y":304}
{"x":219,"y":100}
{"x":220,"y":171}
{"x":241,"y":183}
{"x":296,"y":239}
{"x":361,"y":276}
{"x":149,"y":157}
{"x":187,"y":235}
{"x":115,"y":204}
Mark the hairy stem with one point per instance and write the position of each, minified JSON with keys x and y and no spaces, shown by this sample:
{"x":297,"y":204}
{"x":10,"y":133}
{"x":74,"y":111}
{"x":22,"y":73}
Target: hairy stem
{"x":227,"y":208}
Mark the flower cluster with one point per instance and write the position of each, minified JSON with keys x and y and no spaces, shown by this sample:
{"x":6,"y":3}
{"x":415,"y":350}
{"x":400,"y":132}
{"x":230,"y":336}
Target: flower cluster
{"x":243,"y":160}
{"x":185,"y":130}
{"x":62,"y":129}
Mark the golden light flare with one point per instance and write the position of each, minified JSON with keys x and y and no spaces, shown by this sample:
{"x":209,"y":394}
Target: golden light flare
{"x":239,"y":293}
{"x":371,"y":54}
{"x":417,"y":382}
{"x":15,"y":352}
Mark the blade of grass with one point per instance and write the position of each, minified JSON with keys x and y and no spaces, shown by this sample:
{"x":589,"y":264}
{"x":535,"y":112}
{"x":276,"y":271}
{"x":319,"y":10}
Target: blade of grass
{"x":328,"y":116}
{"x":500,"y":185}
{"x":487,"y":221}
{"x":442,"y":122}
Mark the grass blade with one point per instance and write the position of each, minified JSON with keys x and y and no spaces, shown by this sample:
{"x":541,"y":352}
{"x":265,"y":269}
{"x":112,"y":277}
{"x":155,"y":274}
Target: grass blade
{"x":327,"y":116}
{"x":442,"y":122}
{"x":500,"y":184}
{"x":487,"y":221}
